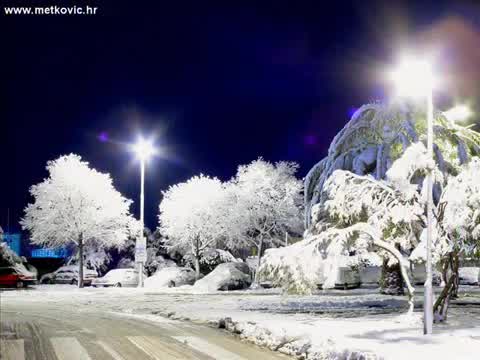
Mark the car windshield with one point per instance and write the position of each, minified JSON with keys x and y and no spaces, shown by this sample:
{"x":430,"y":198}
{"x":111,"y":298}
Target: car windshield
{"x":6,"y":271}
{"x":116,"y":272}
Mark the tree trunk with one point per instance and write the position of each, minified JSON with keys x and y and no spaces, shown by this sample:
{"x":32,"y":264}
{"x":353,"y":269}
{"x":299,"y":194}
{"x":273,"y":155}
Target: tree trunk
{"x":259,"y":259}
{"x":80,"y":262}
{"x":197,"y":266}
{"x":450,"y":274}
{"x":456,"y":281}
{"x":404,"y":264}
{"x":196,"y":254}
{"x":403,"y":269}
{"x":391,"y":282}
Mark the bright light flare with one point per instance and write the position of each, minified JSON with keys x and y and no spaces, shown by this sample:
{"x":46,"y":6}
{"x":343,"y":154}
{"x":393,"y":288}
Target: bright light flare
{"x":458,"y":113}
{"x":413,"y":77}
{"x":144,"y":149}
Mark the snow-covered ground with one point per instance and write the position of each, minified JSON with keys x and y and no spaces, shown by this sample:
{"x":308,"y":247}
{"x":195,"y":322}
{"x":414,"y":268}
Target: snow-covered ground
{"x":322,"y":326}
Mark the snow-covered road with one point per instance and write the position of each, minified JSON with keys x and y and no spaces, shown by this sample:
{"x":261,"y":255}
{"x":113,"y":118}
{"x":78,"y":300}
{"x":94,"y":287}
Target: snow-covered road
{"x":46,"y":330}
{"x":359,"y":324}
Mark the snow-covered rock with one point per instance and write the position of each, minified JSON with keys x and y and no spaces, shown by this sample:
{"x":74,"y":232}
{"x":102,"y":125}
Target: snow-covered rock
{"x":469,"y":275}
{"x":170,"y":277}
{"x":227,"y":276}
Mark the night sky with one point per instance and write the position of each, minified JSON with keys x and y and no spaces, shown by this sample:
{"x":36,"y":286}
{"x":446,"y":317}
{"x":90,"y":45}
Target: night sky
{"x":217,"y":83}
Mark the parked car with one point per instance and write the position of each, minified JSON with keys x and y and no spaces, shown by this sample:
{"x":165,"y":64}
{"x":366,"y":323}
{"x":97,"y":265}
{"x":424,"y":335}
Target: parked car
{"x":346,"y":278}
{"x":118,"y":278}
{"x":68,"y":275}
{"x":469,"y":275}
{"x":171,"y":277}
{"x":419,"y":275}
{"x":226,"y":276}
{"x":16,"y":276}
{"x":370,"y":275}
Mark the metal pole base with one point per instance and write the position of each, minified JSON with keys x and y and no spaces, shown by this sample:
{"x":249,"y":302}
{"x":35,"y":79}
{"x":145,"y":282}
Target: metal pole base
{"x":428,"y":309}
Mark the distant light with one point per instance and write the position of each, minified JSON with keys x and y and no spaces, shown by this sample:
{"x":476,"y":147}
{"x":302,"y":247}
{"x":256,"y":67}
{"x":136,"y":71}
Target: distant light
{"x":144,"y":149}
{"x":413,"y":77}
{"x":458,"y":113}
{"x":103,"y":136}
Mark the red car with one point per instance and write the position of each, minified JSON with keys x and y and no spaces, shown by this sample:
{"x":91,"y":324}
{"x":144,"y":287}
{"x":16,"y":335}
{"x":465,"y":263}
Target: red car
{"x":13,"y":277}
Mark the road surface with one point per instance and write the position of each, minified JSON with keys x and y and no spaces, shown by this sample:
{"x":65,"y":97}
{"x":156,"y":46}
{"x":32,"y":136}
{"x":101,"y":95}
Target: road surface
{"x":41,"y":331}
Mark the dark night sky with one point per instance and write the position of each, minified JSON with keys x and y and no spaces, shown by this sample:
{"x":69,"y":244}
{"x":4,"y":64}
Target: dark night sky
{"x":218,"y":84}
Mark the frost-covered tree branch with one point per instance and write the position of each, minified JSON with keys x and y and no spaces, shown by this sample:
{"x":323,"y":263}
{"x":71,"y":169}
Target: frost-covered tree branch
{"x":267,"y":202}
{"x":194,"y":215}
{"x":77,"y":205}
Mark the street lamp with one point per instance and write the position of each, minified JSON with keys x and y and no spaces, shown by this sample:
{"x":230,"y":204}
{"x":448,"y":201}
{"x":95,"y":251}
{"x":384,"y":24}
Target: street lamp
{"x":414,"y":78}
{"x":144,"y":149}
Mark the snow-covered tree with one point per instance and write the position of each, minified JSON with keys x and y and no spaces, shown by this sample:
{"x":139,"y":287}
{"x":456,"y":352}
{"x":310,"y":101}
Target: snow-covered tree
{"x":77,"y":205}
{"x":193,"y":216}
{"x":376,"y":136}
{"x":458,"y":217}
{"x":359,"y":214}
{"x":267,"y":202}
{"x":95,"y":257}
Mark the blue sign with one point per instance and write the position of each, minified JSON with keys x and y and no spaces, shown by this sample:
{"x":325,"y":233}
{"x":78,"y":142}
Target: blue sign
{"x":13,"y":242}
{"x":50,"y":253}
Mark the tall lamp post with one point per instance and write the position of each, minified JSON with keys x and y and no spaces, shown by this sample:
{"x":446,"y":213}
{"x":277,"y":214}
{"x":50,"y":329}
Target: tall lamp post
{"x":414,"y":78}
{"x":144,"y":150}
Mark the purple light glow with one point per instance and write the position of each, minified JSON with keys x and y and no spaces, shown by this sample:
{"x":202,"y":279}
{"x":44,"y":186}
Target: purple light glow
{"x":352,"y":111}
{"x":103,"y":136}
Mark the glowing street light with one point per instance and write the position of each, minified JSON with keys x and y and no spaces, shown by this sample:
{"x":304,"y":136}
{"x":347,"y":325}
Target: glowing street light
{"x":458,"y":113}
{"x":143,"y":149}
{"x":414,"y":78}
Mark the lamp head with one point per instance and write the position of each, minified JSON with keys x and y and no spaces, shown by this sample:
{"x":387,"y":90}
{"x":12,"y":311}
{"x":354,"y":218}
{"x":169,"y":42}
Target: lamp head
{"x":413,"y":77}
{"x":144,"y":149}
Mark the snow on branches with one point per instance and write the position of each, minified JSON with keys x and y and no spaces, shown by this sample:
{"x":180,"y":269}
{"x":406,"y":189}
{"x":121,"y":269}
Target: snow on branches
{"x":77,"y":205}
{"x":193,"y":216}
{"x":267,"y":202}
{"x":255,"y":208}
{"x":460,"y":209}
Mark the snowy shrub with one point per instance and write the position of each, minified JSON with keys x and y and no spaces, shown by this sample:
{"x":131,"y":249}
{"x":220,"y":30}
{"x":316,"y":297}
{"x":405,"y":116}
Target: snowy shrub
{"x":126,"y":263}
{"x":210,"y":259}
{"x":156,"y":262}
{"x":7,"y":256}
{"x":96,"y":258}
{"x":461,"y":208}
